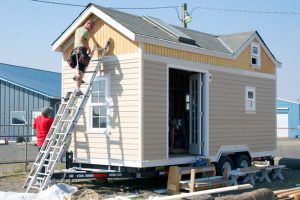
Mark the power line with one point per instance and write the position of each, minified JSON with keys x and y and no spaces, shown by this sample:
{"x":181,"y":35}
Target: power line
{"x":57,"y":3}
{"x":176,"y":8}
{"x":245,"y":11}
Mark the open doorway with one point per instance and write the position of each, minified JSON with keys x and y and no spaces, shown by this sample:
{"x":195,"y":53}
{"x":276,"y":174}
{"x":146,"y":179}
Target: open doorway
{"x":185,"y":112}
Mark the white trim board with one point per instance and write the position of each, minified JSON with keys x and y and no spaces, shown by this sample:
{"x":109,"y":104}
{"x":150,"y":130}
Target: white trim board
{"x":84,"y":16}
{"x":139,"y":164}
{"x":196,"y":66}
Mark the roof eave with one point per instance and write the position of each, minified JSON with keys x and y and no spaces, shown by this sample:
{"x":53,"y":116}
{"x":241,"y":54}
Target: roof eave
{"x":181,"y":46}
{"x":91,"y":9}
{"x":30,"y":89}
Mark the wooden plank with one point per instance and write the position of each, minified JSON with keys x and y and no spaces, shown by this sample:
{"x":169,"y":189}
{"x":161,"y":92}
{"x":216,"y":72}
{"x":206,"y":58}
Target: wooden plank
{"x":285,"y":190}
{"x":187,"y":170}
{"x":192,"y":180}
{"x":285,"y":194}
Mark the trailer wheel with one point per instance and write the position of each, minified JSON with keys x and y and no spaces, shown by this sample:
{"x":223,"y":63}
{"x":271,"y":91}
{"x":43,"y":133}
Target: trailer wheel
{"x":242,"y":161}
{"x":224,"y":162}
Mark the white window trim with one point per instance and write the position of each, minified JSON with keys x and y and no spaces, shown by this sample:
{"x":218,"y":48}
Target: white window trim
{"x":11,"y":114}
{"x":89,"y":128}
{"x":257,"y":56}
{"x":247,"y":108}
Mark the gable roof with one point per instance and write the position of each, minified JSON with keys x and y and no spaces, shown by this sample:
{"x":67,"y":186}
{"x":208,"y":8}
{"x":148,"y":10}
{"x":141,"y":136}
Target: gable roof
{"x":140,"y":29}
{"x":40,"y":81}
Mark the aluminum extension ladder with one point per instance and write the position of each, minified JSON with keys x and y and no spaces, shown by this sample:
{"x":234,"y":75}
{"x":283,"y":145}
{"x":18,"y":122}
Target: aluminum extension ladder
{"x":62,"y":127}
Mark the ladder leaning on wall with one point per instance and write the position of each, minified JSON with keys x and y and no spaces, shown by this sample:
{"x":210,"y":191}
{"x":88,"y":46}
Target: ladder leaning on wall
{"x":63,"y":126}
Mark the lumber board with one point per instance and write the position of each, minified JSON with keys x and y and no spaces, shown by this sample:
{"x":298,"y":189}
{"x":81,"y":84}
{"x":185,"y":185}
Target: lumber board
{"x":288,"y":193}
{"x":285,"y":190}
{"x":297,"y":196}
{"x":294,"y":194}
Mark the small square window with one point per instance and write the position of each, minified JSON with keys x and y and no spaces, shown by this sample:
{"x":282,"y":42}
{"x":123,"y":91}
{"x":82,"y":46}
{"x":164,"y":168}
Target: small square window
{"x":18,"y":118}
{"x":250,"y":99}
{"x":255,"y":55}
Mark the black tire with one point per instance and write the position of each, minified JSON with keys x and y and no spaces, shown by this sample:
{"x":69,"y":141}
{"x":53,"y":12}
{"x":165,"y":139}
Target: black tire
{"x":241,"y":161}
{"x":224,"y":161}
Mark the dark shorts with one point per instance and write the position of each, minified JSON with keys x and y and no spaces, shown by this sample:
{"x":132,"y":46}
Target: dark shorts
{"x":75,"y":56}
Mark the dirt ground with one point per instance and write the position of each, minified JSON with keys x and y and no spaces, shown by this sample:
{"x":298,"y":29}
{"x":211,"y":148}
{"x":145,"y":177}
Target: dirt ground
{"x":144,"y":188}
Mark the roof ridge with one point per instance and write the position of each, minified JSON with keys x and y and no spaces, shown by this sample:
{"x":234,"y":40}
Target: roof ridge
{"x":240,"y":33}
{"x":29,"y":68}
{"x":116,"y":10}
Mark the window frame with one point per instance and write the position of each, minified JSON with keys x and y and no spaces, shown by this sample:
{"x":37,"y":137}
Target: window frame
{"x":256,"y":56}
{"x":11,"y":117}
{"x":89,"y":128}
{"x":247,"y":99}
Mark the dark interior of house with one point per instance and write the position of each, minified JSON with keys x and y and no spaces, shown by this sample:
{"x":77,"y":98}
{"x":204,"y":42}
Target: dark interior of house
{"x":178,"y":111}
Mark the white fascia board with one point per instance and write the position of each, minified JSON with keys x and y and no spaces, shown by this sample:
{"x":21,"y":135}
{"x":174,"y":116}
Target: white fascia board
{"x":262,"y":45}
{"x":57,"y":46}
{"x":225,"y":45}
{"x":199,"y":67}
{"x":182,"y":47}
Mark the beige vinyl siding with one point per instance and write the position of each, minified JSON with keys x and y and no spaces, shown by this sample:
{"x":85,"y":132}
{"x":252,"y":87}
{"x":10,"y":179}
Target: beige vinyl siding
{"x":229,"y":124}
{"x":122,"y":142}
{"x":154,"y":115}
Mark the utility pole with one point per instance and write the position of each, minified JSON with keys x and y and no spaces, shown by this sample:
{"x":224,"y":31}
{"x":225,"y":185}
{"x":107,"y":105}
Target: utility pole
{"x":184,"y":14}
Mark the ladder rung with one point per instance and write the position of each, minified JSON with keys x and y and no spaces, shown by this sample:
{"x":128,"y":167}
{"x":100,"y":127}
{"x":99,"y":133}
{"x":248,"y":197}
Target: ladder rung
{"x":40,"y":178}
{"x":90,"y":72}
{"x":66,"y":120}
{"x":42,"y":174}
{"x":72,"y":108}
{"x":35,"y":187}
{"x":59,"y":133}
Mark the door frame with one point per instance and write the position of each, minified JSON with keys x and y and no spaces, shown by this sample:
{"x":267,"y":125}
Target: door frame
{"x":206,"y":80}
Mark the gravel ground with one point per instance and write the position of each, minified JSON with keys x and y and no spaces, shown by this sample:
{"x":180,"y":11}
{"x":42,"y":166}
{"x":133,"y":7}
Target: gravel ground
{"x":143,"y":187}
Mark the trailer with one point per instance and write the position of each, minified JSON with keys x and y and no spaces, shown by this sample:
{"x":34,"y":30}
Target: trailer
{"x":168,"y":95}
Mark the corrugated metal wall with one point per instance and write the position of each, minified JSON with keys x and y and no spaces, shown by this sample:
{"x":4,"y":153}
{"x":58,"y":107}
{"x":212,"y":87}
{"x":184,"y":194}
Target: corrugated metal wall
{"x":15,"y":98}
{"x":293,"y":112}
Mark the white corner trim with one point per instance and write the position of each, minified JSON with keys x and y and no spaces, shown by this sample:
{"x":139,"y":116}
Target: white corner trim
{"x":203,"y":67}
{"x":91,"y":10}
{"x":182,"y":47}
{"x":225,"y":45}
{"x":141,"y":100}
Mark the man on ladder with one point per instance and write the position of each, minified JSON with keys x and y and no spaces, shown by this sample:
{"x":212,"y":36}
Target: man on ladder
{"x":81,"y":54}
{"x":64,"y":123}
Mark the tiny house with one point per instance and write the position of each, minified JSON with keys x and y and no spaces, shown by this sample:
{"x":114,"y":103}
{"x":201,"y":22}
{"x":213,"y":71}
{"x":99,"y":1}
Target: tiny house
{"x":167,"y":95}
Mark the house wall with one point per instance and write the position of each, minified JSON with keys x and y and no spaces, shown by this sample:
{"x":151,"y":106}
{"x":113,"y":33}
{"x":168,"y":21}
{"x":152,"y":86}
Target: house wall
{"x":229,"y":124}
{"x":293,"y":111}
{"x":155,"y":110}
{"x":122,"y":141}
{"x":242,"y":62}
{"x":15,"y":98}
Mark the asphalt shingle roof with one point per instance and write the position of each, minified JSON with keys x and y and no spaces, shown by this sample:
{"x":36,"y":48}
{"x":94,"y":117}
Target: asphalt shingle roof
{"x":235,"y":41}
{"x":44,"y":82}
{"x":140,"y":26}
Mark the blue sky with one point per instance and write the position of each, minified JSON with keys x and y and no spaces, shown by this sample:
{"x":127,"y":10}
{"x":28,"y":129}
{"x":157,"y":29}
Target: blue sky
{"x":28,"y":29}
